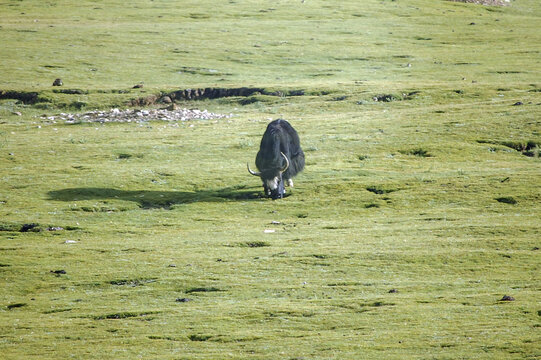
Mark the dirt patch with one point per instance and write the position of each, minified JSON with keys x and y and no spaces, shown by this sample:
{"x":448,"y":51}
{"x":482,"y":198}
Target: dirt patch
{"x":15,"y":306}
{"x":394,"y":97}
{"x":202,"y":290}
{"x":528,"y":148}
{"x":486,"y":2}
{"x":254,"y":244}
{"x":125,"y":315}
{"x":506,"y":200}
{"x":26,"y":97}
{"x":211,"y":93}
{"x":380,"y":190}
{"x":131,"y":282}
{"x":171,"y":114}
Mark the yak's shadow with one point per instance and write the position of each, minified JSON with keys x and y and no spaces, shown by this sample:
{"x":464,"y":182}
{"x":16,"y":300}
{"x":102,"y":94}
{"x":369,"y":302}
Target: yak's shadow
{"x":155,"y":199}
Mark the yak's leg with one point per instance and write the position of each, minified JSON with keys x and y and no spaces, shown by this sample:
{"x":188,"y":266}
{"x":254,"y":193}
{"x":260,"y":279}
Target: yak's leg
{"x":281,"y":190}
{"x":266,"y":189}
{"x":290,"y":182}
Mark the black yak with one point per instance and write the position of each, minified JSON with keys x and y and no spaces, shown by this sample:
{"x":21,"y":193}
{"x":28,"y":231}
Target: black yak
{"x":279,"y":159}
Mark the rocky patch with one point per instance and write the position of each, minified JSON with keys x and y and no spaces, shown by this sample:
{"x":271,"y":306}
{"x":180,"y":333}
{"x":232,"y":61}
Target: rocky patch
{"x":171,"y":114}
{"x":486,"y":2}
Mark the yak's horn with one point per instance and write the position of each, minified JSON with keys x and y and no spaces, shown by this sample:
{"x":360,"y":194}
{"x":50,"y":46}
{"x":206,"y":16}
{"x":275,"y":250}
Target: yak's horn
{"x":287,"y":163}
{"x":252,"y":172}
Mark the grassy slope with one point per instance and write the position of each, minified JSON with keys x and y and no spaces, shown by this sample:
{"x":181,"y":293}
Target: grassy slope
{"x":318,"y":287}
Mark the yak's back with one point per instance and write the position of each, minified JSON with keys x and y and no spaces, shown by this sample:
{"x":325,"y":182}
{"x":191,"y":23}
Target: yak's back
{"x":280,"y":136}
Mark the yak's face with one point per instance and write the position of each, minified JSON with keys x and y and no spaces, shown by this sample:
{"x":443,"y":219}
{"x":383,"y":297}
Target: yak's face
{"x":272,"y":179}
{"x":274,"y":187}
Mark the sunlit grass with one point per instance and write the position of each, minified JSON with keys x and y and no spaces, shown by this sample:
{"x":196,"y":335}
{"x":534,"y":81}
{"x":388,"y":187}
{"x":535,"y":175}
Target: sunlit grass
{"x":415,"y":215}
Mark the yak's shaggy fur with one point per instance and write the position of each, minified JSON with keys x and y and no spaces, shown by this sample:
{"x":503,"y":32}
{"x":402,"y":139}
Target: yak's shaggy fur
{"x":279,"y":140}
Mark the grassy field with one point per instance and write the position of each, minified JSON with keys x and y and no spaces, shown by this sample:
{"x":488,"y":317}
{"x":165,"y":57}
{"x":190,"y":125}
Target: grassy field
{"x":418,"y":210}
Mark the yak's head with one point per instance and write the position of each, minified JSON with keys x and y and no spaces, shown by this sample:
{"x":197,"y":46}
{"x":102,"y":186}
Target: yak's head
{"x":272,"y":180}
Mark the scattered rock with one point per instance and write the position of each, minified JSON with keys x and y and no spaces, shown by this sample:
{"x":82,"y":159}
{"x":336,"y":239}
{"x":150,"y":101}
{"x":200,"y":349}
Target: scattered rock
{"x":55,"y":228}
{"x":507,"y":298}
{"x":58,"y":272}
{"x":138,"y":86}
{"x":71,"y":91}
{"x":384,"y":98}
{"x":393,"y":291}
{"x":171,"y":114}
{"x":166,"y":100}
{"x":518,"y":103}
{"x":58,"y":82}
{"x":183,"y":300}
{"x":171,"y":107}
{"x":18,"y":113}
{"x":486,"y":2}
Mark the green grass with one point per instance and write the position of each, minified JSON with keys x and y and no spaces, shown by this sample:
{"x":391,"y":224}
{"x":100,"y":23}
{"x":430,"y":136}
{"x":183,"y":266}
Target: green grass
{"x":415,"y":214}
